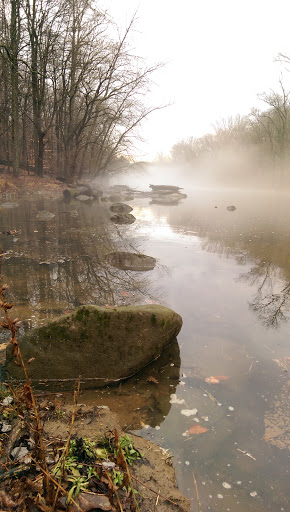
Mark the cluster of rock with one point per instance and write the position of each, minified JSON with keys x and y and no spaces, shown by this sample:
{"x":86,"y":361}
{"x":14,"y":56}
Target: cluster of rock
{"x":82,"y":192}
{"x":166,"y":194}
{"x":122,"y":214}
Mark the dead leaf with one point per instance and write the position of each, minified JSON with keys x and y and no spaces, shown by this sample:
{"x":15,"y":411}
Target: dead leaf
{"x":212,"y":380}
{"x":197,"y":429}
{"x":152,"y":379}
{"x":126,"y":294}
{"x":90,"y":501}
{"x":7,"y":501}
{"x":216,"y":379}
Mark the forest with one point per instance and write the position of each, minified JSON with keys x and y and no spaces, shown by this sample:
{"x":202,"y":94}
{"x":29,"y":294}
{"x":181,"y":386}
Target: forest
{"x":257,"y":143}
{"x":71,"y":88}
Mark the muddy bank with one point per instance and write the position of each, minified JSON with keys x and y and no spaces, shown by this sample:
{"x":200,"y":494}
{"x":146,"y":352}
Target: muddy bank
{"x":152,"y":475}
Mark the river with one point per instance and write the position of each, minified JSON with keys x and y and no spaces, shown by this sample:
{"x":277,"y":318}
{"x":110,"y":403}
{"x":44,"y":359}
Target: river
{"x":227,"y":273}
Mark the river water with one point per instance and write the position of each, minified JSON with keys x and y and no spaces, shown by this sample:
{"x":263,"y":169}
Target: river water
{"x":227,"y":273}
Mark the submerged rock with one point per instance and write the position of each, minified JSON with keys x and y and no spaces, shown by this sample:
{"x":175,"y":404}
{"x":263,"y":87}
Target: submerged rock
{"x":83,"y":197}
{"x":123,"y":218}
{"x":9,"y":204}
{"x":131,"y":261}
{"x":102,"y":345}
{"x":231,"y":208}
{"x":121,"y":208}
{"x":44,"y":215}
{"x":115,"y":198}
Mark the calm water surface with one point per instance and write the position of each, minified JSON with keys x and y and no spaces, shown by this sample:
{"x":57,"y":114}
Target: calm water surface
{"x":228,"y":275}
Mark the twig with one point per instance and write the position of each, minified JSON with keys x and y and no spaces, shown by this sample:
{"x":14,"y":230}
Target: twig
{"x":66,"y":448}
{"x":196,"y":490}
{"x":210,"y":396}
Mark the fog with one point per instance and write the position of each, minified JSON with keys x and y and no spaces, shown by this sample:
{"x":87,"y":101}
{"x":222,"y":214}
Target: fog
{"x":231,"y":167}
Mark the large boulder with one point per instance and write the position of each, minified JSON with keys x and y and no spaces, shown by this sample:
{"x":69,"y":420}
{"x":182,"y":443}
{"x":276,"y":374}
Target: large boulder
{"x":102,"y":345}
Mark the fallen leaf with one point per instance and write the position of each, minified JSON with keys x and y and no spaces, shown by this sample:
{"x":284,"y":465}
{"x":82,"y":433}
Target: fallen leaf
{"x":212,"y":380}
{"x":126,"y":294}
{"x":197,"y":429}
{"x":216,"y":379}
{"x":152,"y":379}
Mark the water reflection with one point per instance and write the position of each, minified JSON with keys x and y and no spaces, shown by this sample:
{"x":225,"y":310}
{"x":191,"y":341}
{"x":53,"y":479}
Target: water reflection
{"x":56,"y":265}
{"x":220,"y":263}
{"x":271,"y":301}
{"x":143,"y":400}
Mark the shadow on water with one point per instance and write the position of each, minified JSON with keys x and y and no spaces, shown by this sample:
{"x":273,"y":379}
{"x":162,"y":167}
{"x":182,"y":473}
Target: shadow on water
{"x":227,"y":273}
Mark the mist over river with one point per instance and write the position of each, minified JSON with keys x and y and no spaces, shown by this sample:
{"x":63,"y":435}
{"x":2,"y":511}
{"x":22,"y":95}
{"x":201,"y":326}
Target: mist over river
{"x":227,"y":273}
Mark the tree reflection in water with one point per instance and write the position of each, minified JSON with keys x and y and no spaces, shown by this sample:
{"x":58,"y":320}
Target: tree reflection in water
{"x":271,"y":302}
{"x":56,"y":266}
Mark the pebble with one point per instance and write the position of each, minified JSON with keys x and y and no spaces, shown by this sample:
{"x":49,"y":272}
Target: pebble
{"x":7,"y":401}
{"x":226,"y":485}
{"x":6,"y":427}
{"x":253,"y":494}
{"x":189,"y":412}
{"x":220,"y":496}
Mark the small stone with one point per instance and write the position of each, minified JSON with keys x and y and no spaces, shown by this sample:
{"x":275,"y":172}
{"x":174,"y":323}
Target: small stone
{"x":226,"y":485}
{"x":189,"y":412}
{"x":220,"y":496}
{"x":253,"y":494}
{"x":7,"y":401}
{"x":6,"y":427}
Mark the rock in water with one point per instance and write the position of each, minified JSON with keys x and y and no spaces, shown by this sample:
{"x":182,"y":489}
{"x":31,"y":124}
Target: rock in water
{"x":131,"y":261}
{"x":231,"y":208}
{"x":123,"y":218}
{"x":102,"y":345}
{"x":121,"y":208}
{"x":44,"y":215}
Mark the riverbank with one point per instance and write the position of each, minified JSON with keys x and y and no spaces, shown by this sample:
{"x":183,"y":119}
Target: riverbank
{"x":149,"y":467}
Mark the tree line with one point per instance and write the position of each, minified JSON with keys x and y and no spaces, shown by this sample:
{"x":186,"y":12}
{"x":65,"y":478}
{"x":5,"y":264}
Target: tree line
{"x":71,"y":89}
{"x":265,"y":133}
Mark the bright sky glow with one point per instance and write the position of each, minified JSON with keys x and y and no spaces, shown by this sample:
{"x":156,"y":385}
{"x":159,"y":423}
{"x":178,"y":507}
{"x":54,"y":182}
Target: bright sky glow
{"x":219,"y":54}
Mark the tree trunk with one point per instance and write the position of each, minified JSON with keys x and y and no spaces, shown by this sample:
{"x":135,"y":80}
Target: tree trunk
{"x":14,"y":42}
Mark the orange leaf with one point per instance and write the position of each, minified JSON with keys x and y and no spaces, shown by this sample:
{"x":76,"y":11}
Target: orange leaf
{"x":212,"y":380}
{"x":197,"y":429}
{"x":216,"y":379}
{"x":126,"y":294}
{"x":152,"y":379}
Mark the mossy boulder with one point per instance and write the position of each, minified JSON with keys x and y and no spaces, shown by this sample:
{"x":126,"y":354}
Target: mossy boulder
{"x":102,"y":345}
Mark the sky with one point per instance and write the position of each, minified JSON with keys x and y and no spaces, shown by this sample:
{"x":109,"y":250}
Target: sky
{"x":218,"y":54}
